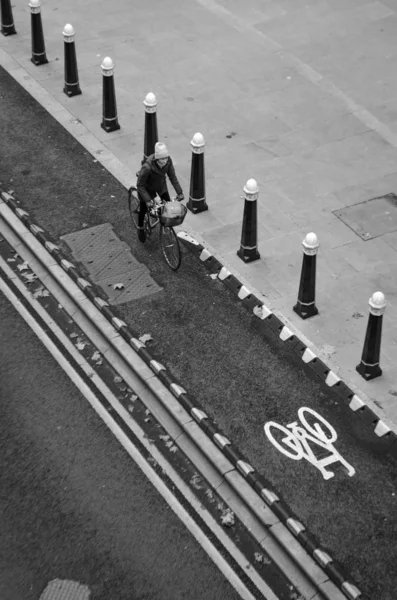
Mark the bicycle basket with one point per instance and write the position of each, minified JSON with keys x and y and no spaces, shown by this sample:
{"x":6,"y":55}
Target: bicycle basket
{"x":173,"y":214}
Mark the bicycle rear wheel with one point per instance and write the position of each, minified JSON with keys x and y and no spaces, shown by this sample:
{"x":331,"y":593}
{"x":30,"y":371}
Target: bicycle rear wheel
{"x":284,"y":440}
{"x":133,"y":206}
{"x":170,"y":247}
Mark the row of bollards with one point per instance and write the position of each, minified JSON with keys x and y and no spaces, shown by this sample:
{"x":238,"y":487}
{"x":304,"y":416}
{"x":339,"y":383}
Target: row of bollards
{"x":305,"y":307}
{"x":197,"y":200}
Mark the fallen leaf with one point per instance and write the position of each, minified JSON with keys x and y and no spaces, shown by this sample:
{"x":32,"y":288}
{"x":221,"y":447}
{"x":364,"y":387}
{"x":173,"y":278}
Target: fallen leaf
{"x":80,"y":345}
{"x":23,"y":267}
{"x":11,"y":260}
{"x":30,"y":277}
{"x":150,"y":440}
{"x":118,"y":286}
{"x":227,"y":518}
{"x":134,"y":397}
{"x":210,"y":495}
{"x":194,"y":482}
{"x":85,"y":225}
{"x":146,"y":337}
{"x":97,"y":357}
{"x":41,"y":293}
{"x":173,"y":449}
{"x":117,"y":379}
{"x":214,"y":276}
{"x":74,"y":335}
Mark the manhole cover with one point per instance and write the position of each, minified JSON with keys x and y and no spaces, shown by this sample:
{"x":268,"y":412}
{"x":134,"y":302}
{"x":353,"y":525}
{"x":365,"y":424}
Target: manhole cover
{"x":62,"y":589}
{"x":372,"y":218}
{"x":110,"y":264}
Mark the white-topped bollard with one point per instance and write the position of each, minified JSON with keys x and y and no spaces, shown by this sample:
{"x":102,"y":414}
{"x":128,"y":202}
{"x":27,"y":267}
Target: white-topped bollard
{"x":151,"y":132}
{"x":248,"y":251}
{"x":109,"y":108}
{"x":306,"y":303}
{"x":39,"y":56}
{"x":197,"y":202}
{"x":72,"y":86}
{"x":369,"y":367}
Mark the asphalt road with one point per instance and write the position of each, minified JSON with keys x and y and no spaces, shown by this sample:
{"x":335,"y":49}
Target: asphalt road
{"x":73,"y":504}
{"x":207,"y":340}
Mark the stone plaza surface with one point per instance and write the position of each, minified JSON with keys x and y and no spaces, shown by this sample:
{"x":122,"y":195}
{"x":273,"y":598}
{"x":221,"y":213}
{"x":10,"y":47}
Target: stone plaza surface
{"x":300,"y":95}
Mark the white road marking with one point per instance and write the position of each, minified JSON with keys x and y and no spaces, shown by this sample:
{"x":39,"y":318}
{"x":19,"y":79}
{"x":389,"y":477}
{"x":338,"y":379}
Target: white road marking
{"x":160,"y":486}
{"x":295,"y":443}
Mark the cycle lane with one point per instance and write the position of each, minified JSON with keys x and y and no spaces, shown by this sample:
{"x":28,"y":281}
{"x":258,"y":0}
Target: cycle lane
{"x":210,"y":343}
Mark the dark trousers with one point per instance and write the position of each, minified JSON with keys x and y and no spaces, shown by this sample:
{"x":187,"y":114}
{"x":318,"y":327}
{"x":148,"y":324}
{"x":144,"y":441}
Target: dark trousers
{"x":143,"y":207}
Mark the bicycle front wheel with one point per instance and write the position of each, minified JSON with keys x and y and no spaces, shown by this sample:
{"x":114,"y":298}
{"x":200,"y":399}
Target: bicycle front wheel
{"x":322,"y":430}
{"x":133,"y":206}
{"x":170,"y":247}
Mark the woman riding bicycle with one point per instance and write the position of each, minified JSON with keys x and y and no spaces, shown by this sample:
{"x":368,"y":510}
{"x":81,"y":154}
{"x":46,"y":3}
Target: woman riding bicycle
{"x":152,"y":181}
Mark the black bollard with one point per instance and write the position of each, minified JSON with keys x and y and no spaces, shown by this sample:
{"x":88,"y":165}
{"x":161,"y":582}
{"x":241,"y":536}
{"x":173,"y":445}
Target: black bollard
{"x":72,"y":86}
{"x":197,"y":202}
{"x":369,"y":366}
{"x":109,"y":109}
{"x":248,"y":251}
{"x":306,"y":304}
{"x":38,"y":48}
{"x":7,"y":20}
{"x":151,"y":133}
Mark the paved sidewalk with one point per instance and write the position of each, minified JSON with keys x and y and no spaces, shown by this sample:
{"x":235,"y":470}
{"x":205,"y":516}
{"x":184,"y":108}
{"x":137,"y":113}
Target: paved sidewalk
{"x":308,"y":87}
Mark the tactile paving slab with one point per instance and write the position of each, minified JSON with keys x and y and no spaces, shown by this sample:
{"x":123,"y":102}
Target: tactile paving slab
{"x":110,"y":264}
{"x":96,"y":258}
{"x":78,"y":240}
{"x":59,"y":589}
{"x":372,"y":218}
{"x":136,"y":284}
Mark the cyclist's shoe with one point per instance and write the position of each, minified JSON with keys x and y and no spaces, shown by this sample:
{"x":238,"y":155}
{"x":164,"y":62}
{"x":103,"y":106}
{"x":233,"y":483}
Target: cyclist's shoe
{"x":141,"y":234}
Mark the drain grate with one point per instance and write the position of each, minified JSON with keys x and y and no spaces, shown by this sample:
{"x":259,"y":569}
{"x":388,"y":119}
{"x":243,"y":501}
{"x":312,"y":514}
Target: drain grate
{"x":372,"y":218}
{"x":110,"y":264}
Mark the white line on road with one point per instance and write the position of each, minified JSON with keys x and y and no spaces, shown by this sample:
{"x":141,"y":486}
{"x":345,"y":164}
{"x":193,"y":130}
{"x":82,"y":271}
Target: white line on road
{"x":160,"y":486}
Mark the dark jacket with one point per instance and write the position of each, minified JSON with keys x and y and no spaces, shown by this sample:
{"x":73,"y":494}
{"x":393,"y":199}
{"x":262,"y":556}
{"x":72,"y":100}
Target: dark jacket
{"x":152,"y":179}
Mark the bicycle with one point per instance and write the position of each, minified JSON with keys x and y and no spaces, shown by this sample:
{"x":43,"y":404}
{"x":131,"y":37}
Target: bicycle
{"x":168,"y":239}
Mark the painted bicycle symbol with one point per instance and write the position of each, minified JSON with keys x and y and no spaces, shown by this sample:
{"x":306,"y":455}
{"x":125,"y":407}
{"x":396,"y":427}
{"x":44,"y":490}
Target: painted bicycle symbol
{"x":294,"y":441}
